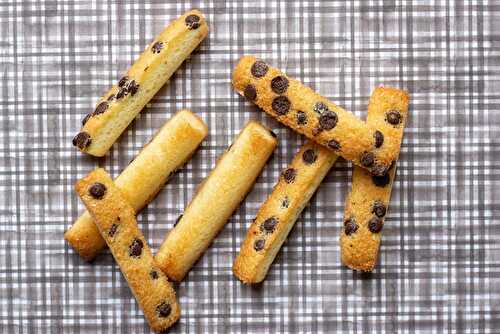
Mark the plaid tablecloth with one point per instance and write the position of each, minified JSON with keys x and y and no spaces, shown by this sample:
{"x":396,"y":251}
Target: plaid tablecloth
{"x":439,"y":269}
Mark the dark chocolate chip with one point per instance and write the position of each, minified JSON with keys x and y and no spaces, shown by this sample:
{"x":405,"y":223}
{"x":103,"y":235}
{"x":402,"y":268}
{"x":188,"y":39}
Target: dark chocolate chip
{"x":121,"y":93}
{"x":132,"y":87}
{"x":320,"y":107}
{"x":164,"y":308}
{"x":393,"y":117}
{"x":281,"y":105}
{"x":379,"y":138}
{"x":289,"y":175}
{"x":97,"y":190}
{"x":301,"y":118}
{"x":328,"y":120}
{"x":350,"y":226}
{"x":279,"y":84}
{"x":111,"y":97}
{"x":82,"y":140}
{"x":259,"y":244}
{"x":285,"y":203}
{"x":192,"y":21}
{"x":333,"y":144}
{"x":269,"y":225}
{"x":367,"y":159}
{"x":259,"y":69}
{"x":375,"y":225}
{"x":112,"y":230}
{"x":156,"y":48}
{"x":250,"y":92}
{"x":135,"y":249}
{"x":381,"y":181}
{"x":178,"y":220}
{"x":123,"y":81}
{"x":379,"y":169}
{"x":101,"y":108}
{"x":379,"y":209}
{"x":309,"y":156}
{"x":86,"y":118}
{"x":273,"y":133}
{"x":153,"y":274}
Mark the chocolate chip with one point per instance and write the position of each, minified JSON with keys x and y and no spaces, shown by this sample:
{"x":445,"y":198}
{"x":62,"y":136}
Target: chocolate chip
{"x":320,"y":107}
{"x":258,"y":245}
{"x":393,"y":117}
{"x":309,"y":156}
{"x":317,"y":130}
{"x":101,"y":108}
{"x":164,"y":308}
{"x":281,"y":105}
{"x":135,"y":249}
{"x":156,"y":48}
{"x":121,"y":93}
{"x":367,"y":159}
{"x":375,"y":225}
{"x":250,"y":92}
{"x":178,"y":220}
{"x":381,"y":181}
{"x":289,"y":175}
{"x":153,"y":274}
{"x":132,"y":87}
{"x":379,"y":169}
{"x":269,"y":225}
{"x":82,"y":140}
{"x":111,"y":97}
{"x":112,"y":230}
{"x":86,"y":118}
{"x":273,"y":133}
{"x":123,"y":81}
{"x":97,"y":190}
{"x":379,"y":138}
{"x":259,"y":69}
{"x":192,"y":21}
{"x":285,"y":203}
{"x":301,"y":118}
{"x":379,"y":209}
{"x":279,"y":84}
{"x":146,"y":68}
{"x":333,"y":144}
{"x":350,"y":226}
{"x":328,"y":120}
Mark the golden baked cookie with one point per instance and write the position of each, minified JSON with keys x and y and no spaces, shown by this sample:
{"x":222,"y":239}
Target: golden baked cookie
{"x":169,"y":149}
{"x":123,"y":102}
{"x":300,"y":108}
{"x":368,"y":201}
{"x":215,"y":200}
{"x":279,"y":212}
{"x":115,"y":220}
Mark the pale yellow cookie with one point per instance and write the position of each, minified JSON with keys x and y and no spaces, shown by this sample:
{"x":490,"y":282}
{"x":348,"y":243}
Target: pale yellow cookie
{"x":123,"y":102}
{"x":279,"y":212}
{"x":115,"y":219}
{"x":367,"y":203}
{"x":305,"y":111}
{"x":169,"y":149}
{"x":215,"y":200}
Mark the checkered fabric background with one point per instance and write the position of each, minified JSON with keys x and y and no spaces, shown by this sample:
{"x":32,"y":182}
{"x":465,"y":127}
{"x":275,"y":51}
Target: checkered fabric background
{"x":439,"y":269}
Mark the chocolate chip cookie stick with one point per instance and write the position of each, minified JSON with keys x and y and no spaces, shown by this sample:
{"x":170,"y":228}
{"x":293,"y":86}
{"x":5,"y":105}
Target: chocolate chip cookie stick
{"x":115,"y":220}
{"x":312,"y":115}
{"x":170,"y":148}
{"x":367,"y":203}
{"x":278,"y":214}
{"x":121,"y":104}
{"x":216,"y":199}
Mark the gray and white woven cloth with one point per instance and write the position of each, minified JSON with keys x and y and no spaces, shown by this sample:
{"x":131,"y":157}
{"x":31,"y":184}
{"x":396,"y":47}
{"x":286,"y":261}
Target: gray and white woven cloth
{"x":439,"y":268}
